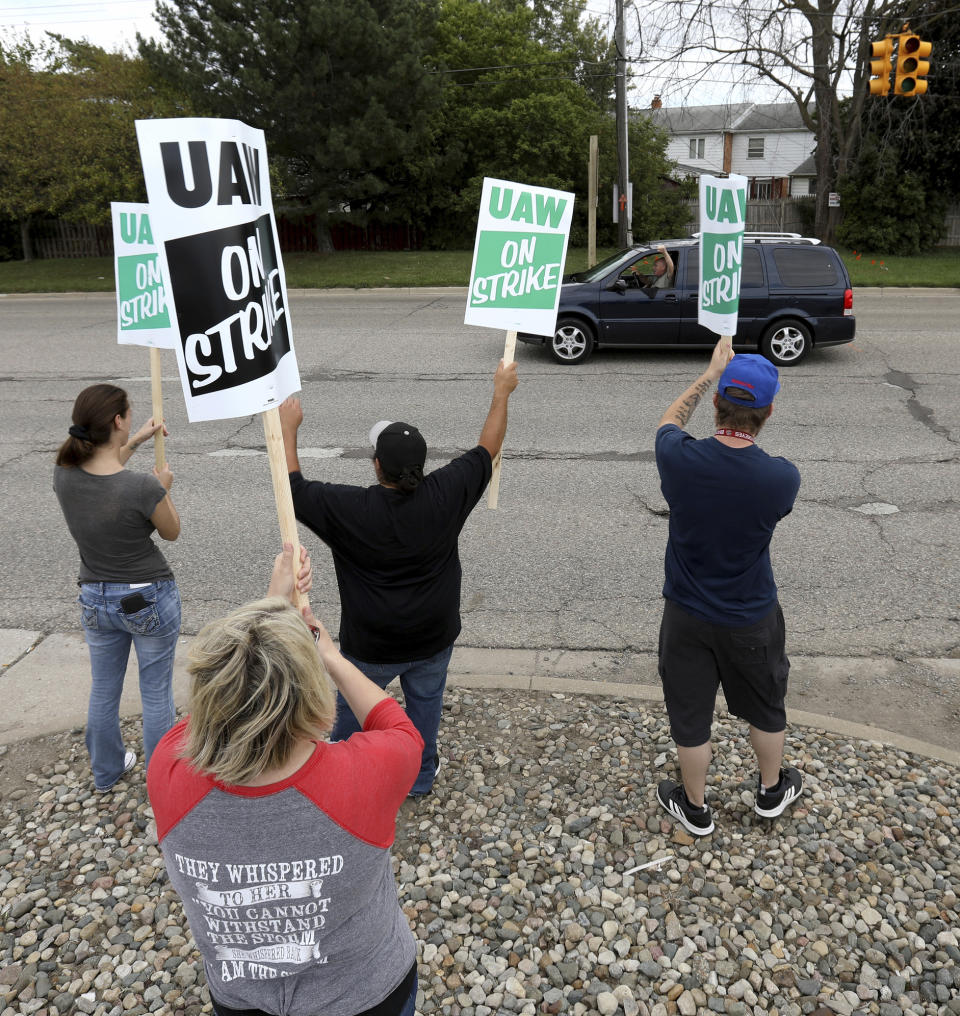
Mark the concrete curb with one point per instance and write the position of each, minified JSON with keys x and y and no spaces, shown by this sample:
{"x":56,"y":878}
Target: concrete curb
{"x":45,"y":681}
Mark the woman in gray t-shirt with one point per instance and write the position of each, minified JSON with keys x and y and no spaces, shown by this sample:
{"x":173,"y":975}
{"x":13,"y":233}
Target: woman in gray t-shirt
{"x":127,"y":590}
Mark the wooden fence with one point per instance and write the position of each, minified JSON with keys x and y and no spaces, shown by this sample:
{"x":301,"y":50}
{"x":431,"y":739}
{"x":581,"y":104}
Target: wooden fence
{"x":951,"y":238}
{"x":795,"y":215}
{"x":766,"y":215}
{"x":56,"y":239}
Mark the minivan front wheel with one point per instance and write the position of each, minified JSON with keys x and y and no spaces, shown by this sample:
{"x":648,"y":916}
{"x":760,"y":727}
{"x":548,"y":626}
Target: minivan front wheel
{"x":572,"y":341}
{"x":786,"y":343}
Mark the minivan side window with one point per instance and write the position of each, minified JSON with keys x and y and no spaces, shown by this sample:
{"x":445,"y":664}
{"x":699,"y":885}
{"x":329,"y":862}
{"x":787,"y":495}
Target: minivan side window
{"x":751,"y":273}
{"x":805,"y":266}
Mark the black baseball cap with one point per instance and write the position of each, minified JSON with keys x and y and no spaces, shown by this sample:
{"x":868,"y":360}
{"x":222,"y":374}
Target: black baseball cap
{"x":398,"y":446}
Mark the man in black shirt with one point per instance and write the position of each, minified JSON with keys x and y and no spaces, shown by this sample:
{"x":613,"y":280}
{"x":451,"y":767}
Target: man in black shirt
{"x":394,"y":547}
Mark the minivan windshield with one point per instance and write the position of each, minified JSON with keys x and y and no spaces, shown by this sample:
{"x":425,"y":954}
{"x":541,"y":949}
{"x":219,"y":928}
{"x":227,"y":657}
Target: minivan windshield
{"x":607,"y":265}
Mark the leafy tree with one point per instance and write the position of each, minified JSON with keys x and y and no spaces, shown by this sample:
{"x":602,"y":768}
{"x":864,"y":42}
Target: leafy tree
{"x":339,"y":86}
{"x":809,"y":48}
{"x":524,"y":87}
{"x":69,"y":147}
{"x":895,"y":196}
{"x":34,"y":108}
{"x":892,"y":212}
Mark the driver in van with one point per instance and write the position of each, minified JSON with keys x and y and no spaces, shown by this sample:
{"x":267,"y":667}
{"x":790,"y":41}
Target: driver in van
{"x":663,"y":271}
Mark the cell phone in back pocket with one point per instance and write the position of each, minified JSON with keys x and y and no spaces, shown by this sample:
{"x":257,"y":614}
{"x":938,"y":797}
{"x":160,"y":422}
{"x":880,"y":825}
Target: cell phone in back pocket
{"x":134,"y":602}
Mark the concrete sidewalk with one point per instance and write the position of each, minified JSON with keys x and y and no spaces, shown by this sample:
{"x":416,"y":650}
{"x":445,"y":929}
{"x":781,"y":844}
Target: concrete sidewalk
{"x":45,"y":682}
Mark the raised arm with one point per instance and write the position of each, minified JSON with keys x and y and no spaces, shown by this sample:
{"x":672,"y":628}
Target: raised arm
{"x":359,"y":691}
{"x":135,"y":440}
{"x":681,"y":409}
{"x":667,"y":258}
{"x":291,"y":416}
{"x":495,"y":427}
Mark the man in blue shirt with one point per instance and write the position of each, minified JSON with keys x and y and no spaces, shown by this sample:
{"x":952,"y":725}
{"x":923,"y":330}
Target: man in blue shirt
{"x":722,"y":624}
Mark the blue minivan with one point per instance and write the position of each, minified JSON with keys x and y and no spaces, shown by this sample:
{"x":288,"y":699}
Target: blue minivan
{"x":795,"y":294}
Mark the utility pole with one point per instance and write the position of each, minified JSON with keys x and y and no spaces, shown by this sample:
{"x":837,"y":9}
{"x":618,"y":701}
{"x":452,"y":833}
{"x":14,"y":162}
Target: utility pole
{"x":624,"y":225}
{"x":592,"y":202}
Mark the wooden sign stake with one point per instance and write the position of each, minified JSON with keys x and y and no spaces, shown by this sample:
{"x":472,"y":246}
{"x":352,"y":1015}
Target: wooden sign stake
{"x":156,"y":391}
{"x":493,"y":491}
{"x":281,"y":490}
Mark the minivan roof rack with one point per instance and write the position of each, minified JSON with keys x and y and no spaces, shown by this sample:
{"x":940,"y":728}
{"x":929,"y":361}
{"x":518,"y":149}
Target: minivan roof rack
{"x":763,"y":237}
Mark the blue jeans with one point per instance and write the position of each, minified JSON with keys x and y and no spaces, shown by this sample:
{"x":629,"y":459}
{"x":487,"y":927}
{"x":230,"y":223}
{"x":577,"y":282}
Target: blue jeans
{"x":423,"y":682}
{"x":154,"y":631}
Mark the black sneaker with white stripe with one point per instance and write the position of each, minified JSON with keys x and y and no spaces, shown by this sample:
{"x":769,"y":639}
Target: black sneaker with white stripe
{"x":772,"y":802}
{"x":673,"y":797}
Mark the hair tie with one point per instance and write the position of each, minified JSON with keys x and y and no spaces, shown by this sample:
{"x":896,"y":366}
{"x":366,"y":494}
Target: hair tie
{"x":80,"y":433}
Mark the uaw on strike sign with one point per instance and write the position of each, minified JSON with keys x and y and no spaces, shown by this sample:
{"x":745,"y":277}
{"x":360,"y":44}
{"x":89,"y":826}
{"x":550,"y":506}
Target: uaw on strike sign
{"x":211,"y":215}
{"x":142,"y":315}
{"x":518,"y":257}
{"x":723,"y":211}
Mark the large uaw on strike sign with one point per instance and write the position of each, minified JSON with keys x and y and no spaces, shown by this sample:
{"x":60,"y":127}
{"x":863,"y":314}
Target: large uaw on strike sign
{"x":518,"y":257}
{"x":723,"y":211}
{"x":212,"y":216}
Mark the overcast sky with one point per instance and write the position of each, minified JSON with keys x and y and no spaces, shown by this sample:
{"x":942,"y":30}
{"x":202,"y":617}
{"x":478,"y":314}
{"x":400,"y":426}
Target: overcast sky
{"x":113,"y":24}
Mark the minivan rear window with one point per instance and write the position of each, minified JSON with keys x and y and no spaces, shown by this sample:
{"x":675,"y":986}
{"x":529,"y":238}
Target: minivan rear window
{"x":751,"y":272}
{"x":806,"y":266}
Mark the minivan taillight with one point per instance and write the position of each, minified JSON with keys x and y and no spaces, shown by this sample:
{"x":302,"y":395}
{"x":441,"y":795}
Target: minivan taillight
{"x":847,"y":302}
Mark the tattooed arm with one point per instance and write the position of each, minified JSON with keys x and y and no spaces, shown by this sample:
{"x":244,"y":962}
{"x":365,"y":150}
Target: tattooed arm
{"x":682,"y":408}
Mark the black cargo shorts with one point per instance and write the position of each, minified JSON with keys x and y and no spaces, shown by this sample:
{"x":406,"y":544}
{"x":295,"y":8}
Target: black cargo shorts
{"x":696,"y":657}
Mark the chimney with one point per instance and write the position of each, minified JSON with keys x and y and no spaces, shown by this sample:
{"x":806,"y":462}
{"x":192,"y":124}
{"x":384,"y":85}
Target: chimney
{"x":656,"y":104}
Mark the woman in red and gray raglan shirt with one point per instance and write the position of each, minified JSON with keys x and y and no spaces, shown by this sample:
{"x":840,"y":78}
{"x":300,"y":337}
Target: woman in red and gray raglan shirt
{"x":277,"y":843}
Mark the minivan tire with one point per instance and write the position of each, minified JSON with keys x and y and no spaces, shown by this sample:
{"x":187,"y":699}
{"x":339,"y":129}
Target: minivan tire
{"x":571,"y":342}
{"x":786,"y":343}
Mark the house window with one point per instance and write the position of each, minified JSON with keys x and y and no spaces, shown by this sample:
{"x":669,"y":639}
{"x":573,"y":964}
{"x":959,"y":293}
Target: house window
{"x":754,"y":148}
{"x":696,"y":147}
{"x":761,"y":189}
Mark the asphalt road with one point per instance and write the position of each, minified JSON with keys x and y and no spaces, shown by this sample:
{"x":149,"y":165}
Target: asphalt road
{"x":868,"y":563}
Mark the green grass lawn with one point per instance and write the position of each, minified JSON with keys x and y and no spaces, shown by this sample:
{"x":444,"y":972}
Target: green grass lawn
{"x":365,"y":269}
{"x":940,"y":267}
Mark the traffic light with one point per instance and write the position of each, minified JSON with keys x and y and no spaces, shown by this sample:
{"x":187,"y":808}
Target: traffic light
{"x":912,"y":65}
{"x":881,"y":66}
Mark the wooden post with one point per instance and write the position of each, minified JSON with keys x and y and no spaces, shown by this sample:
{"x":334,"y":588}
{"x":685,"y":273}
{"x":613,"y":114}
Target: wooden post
{"x":493,"y":491}
{"x":281,"y":490}
{"x":156,"y":391}
{"x":592,"y":203}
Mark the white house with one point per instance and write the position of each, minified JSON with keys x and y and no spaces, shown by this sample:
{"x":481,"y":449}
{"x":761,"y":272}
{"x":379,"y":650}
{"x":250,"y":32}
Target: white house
{"x":766,"y":142}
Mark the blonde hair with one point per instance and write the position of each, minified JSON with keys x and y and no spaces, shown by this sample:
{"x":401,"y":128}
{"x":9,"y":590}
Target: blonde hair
{"x":258,"y":685}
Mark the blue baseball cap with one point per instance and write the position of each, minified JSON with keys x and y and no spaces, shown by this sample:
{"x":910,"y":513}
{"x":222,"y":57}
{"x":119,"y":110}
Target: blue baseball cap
{"x":754,"y":375}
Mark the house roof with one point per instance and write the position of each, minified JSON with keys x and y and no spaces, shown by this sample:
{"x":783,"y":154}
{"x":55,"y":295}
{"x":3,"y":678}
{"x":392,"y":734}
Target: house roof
{"x":806,"y":168}
{"x":772,"y":116}
{"x":731,"y":117}
{"x":696,"y":119}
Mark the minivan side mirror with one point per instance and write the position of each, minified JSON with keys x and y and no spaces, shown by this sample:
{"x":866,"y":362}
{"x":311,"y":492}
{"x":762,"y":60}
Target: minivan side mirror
{"x":620,"y":285}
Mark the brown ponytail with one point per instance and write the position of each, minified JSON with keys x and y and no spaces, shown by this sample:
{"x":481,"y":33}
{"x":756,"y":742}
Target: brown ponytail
{"x":93,"y":415}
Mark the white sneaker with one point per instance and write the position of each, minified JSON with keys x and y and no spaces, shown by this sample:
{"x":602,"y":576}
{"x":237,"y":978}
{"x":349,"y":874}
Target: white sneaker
{"x":129,"y":761}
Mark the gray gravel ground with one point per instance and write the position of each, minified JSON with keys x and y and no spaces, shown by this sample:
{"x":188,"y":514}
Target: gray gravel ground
{"x":514,"y":877}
